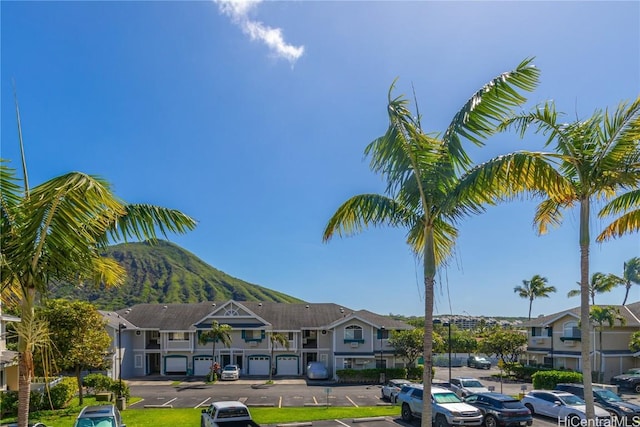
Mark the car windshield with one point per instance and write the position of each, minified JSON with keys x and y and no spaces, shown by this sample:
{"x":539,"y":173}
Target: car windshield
{"x":634,"y":372}
{"x":96,"y":422}
{"x":481,"y":359}
{"x":608,"y":395}
{"x":471,"y":383}
{"x":572,"y":400}
{"x":512,"y":404}
{"x":229,"y":368}
{"x":446,"y":398}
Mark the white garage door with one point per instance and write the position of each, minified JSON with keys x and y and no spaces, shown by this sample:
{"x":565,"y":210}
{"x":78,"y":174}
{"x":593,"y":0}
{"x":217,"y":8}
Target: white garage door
{"x":175,"y":365}
{"x":259,"y":365}
{"x":201,"y":365}
{"x":287,"y":365}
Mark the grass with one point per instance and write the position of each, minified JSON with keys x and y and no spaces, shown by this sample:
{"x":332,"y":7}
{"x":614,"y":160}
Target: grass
{"x":186,"y":416}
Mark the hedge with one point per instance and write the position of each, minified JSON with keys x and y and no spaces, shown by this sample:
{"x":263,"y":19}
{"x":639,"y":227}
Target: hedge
{"x":547,"y":380}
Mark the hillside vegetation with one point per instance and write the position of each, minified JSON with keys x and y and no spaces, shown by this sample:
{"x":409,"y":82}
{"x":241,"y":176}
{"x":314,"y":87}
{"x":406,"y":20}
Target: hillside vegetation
{"x":166,"y":273}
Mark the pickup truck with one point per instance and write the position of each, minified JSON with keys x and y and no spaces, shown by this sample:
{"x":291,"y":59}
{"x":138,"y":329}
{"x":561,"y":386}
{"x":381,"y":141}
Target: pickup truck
{"x":447,"y":408}
{"x":227,"y":413}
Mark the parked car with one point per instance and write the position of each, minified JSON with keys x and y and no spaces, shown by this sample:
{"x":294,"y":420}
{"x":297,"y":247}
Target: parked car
{"x":391,"y":389}
{"x":465,"y":386}
{"x":567,"y":408}
{"x":99,"y":416}
{"x":478,"y":362}
{"x":317,"y":371}
{"x":230,"y":372}
{"x":607,"y":399}
{"x":501,"y":410}
{"x":447,"y":408}
{"x":630,"y":380}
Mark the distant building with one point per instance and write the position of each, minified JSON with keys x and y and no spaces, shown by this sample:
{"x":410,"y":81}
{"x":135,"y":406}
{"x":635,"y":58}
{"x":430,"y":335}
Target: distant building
{"x":8,"y":359}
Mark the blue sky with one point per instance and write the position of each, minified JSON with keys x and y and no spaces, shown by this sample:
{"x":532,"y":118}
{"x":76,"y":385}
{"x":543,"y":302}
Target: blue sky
{"x":253,"y":119}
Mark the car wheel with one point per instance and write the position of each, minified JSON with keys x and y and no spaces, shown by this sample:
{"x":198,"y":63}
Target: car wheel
{"x":530,"y":408}
{"x":202,"y":422}
{"x":636,"y":388}
{"x":406,"y":412}
{"x":441,"y":421}
{"x":392,"y":399}
{"x":490,"y":421}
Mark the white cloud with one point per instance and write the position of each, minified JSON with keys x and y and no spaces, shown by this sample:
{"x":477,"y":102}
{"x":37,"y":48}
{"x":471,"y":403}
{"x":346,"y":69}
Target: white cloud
{"x":239,"y":10}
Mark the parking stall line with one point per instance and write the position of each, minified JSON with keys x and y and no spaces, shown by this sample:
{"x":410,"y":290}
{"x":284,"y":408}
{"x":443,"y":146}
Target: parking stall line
{"x":202,"y":403}
{"x":340,"y":422}
{"x":169,"y":401}
{"x":280,"y":402}
{"x":314,"y":400}
{"x":352,"y":402}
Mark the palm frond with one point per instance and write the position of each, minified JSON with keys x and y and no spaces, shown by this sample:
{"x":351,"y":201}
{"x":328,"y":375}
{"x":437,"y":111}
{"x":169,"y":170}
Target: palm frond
{"x":549,"y":213}
{"x":362,"y":211}
{"x":144,"y":222}
{"x":480,"y":115}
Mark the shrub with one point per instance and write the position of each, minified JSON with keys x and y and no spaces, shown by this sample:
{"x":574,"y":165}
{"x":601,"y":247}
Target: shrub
{"x":62,"y":393}
{"x":8,"y":403}
{"x":125,"y":392}
{"x":415,"y":372}
{"x":549,"y":379}
{"x":98,"y":382}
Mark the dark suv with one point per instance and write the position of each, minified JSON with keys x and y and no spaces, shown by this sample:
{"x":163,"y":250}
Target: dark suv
{"x":501,"y":409}
{"x":630,"y":380}
{"x":478,"y":362}
{"x":622,"y":410}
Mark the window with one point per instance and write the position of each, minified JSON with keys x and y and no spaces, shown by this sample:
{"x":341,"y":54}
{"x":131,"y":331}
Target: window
{"x":138,"y":361}
{"x":353,"y":333}
{"x":571,"y":330}
{"x":249,"y":335}
{"x":178,"y":336}
{"x":383,"y":334}
{"x":347,"y":363}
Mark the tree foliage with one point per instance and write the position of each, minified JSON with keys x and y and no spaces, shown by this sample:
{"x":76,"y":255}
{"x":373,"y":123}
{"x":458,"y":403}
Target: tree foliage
{"x":78,"y":335}
{"x":505,"y":344}
{"x":408,"y":344}
{"x":535,"y":288}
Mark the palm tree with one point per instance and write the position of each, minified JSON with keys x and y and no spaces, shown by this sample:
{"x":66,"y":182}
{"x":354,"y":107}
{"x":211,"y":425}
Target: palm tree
{"x":218,"y":332}
{"x":276,"y":338}
{"x":422,"y":172}
{"x":630,"y":275}
{"x":534,"y":288}
{"x":601,"y":315}
{"x":593,"y":160}
{"x":600,"y":283}
{"x":56,"y":232}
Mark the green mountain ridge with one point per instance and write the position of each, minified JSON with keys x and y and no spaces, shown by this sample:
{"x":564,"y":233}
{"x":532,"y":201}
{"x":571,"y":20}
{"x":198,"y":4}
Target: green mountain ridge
{"x":164,"y":272}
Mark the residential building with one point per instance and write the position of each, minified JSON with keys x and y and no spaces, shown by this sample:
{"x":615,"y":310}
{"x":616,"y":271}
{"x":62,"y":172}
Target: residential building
{"x":8,"y":358}
{"x":164,"y":338}
{"x":555,"y":341}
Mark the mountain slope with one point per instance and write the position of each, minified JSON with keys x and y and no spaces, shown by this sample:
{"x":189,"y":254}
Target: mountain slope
{"x":166,"y":273}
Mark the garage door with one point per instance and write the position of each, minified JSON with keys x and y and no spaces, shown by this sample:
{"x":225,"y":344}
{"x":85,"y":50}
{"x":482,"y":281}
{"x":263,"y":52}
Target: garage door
{"x":175,"y":365}
{"x":258,"y":365}
{"x":287,"y":365}
{"x":201,"y":365}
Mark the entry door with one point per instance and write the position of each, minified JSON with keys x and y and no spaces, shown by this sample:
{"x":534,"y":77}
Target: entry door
{"x":153,"y":363}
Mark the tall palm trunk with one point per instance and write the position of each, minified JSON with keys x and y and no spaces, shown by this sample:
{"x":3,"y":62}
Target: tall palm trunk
{"x":25,"y":356}
{"x":80,"y":388}
{"x":530,"y":305}
{"x":585,"y":335}
{"x":429,"y":281}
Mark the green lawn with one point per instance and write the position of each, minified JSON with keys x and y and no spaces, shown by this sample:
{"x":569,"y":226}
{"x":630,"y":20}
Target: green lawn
{"x":191,"y":417}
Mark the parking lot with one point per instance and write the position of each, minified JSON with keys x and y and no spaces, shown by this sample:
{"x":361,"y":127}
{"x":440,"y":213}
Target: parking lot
{"x":194,"y":393}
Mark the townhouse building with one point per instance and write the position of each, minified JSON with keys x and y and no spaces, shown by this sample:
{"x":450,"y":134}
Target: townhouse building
{"x":8,"y":358}
{"x":163,"y":339}
{"x":555,"y":341}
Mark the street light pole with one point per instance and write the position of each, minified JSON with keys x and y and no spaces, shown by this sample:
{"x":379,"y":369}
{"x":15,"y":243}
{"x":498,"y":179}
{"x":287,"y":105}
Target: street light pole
{"x":448,"y":325}
{"x":121,"y":326}
{"x":381,"y":368}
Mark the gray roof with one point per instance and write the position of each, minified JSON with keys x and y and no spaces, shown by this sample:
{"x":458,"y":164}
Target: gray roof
{"x":630,"y":313}
{"x":282,"y":316}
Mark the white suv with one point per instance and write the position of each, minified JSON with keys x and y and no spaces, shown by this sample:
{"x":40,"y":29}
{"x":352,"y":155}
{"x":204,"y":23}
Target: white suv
{"x":446,"y":407}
